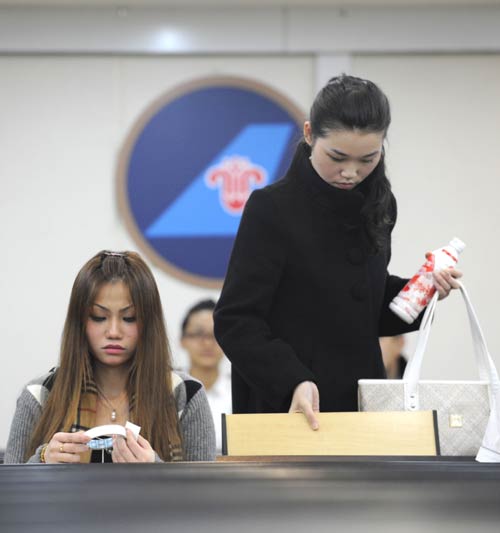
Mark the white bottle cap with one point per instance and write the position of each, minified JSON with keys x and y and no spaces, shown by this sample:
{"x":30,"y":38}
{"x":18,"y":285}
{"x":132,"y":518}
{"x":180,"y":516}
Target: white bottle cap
{"x":457,"y":244}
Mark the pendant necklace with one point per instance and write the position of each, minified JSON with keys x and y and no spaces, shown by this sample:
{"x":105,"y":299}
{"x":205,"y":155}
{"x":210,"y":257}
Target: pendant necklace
{"x":114,"y":414}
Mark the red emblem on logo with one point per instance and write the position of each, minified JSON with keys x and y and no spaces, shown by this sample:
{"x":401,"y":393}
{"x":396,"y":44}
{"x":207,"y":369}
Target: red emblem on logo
{"x":235,"y":175}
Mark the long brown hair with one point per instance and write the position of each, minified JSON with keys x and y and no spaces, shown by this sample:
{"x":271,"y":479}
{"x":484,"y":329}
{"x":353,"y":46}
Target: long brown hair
{"x":149,"y":384}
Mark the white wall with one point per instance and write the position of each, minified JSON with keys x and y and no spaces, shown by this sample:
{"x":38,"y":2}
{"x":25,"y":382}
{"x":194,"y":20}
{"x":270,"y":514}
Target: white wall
{"x":216,"y":29}
{"x":444,"y":166}
{"x":63,"y":118}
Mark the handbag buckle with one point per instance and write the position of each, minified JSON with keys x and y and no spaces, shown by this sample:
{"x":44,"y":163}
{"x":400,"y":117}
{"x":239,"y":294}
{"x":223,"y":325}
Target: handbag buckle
{"x":456,"y":421}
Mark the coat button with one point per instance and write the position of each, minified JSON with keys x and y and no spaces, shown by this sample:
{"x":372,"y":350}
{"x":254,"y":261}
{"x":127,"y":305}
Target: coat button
{"x":352,"y":230}
{"x":359,"y":292}
{"x":355,"y":256}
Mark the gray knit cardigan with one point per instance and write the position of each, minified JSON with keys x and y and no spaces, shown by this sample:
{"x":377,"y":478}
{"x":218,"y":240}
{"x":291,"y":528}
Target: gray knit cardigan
{"x":195,"y":420}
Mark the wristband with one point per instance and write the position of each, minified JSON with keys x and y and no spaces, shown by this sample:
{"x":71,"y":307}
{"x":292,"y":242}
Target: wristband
{"x":42,"y":453}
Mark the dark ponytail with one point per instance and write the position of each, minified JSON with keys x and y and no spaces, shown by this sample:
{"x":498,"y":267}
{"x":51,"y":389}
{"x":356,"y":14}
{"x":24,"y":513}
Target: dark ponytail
{"x":350,"y":103}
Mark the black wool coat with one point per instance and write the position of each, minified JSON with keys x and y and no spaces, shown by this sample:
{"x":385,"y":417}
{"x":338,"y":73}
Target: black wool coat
{"x":304,"y":298}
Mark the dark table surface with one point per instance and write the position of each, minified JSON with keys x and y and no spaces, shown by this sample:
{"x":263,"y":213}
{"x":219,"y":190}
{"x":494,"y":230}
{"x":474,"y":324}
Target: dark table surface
{"x":301,"y":495}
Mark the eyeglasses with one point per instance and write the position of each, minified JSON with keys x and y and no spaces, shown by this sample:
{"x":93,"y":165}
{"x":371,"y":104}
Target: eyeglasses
{"x":199,"y":336}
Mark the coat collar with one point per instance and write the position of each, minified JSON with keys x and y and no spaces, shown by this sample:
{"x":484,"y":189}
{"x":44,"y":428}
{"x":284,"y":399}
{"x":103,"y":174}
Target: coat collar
{"x":348,"y":204}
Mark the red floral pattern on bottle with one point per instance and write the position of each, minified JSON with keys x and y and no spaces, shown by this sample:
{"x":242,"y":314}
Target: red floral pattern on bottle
{"x":417,"y":293}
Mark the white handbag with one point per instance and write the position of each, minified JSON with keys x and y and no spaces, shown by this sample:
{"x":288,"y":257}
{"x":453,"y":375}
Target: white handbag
{"x":463,"y":407}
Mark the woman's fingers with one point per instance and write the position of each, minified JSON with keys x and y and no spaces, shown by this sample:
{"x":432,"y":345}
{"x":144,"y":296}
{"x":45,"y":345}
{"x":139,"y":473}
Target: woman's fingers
{"x":442,"y":286}
{"x":130,"y":450}
{"x":67,"y":457}
{"x":143,"y":443}
{"x":69,"y":447}
{"x":133,"y":446}
{"x":121,"y":452}
{"x":446,"y":280}
{"x":66,"y":447}
{"x":454,"y":275}
{"x":311,"y":417}
{"x":306,"y":400}
{"x":148,"y":455}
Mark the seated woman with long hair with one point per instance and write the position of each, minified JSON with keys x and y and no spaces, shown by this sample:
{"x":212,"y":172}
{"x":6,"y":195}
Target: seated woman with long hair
{"x":115,"y":366}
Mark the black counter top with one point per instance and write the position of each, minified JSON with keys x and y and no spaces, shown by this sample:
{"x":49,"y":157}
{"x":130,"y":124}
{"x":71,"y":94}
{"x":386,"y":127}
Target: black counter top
{"x":297,"y":495}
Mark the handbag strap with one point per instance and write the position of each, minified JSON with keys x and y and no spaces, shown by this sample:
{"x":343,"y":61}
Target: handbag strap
{"x":487,"y":370}
{"x":485,"y":364}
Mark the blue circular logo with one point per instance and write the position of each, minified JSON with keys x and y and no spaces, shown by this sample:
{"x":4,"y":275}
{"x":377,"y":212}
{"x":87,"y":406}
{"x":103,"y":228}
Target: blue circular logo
{"x":190,"y":163}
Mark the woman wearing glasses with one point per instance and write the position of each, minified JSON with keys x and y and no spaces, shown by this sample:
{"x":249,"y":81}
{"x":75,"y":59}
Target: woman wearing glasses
{"x":114,"y":367}
{"x":307,"y":290}
{"x":206,"y":361}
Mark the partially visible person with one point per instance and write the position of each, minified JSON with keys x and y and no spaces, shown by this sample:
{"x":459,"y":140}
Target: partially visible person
{"x":114,"y":366}
{"x":206,"y":361}
{"x":392,"y":354}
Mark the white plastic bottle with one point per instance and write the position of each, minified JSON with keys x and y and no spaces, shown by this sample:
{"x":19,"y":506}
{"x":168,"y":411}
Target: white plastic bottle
{"x":417,"y":293}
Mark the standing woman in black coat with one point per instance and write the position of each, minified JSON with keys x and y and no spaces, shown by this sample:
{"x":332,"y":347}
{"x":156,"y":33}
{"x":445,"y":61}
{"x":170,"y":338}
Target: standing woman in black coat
{"x":307,"y":290}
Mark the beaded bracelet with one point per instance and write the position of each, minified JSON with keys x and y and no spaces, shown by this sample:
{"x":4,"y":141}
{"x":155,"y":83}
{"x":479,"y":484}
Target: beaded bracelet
{"x":42,"y":453}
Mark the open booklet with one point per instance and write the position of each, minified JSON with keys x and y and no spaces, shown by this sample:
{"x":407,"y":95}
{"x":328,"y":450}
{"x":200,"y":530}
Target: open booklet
{"x":102,"y":435}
